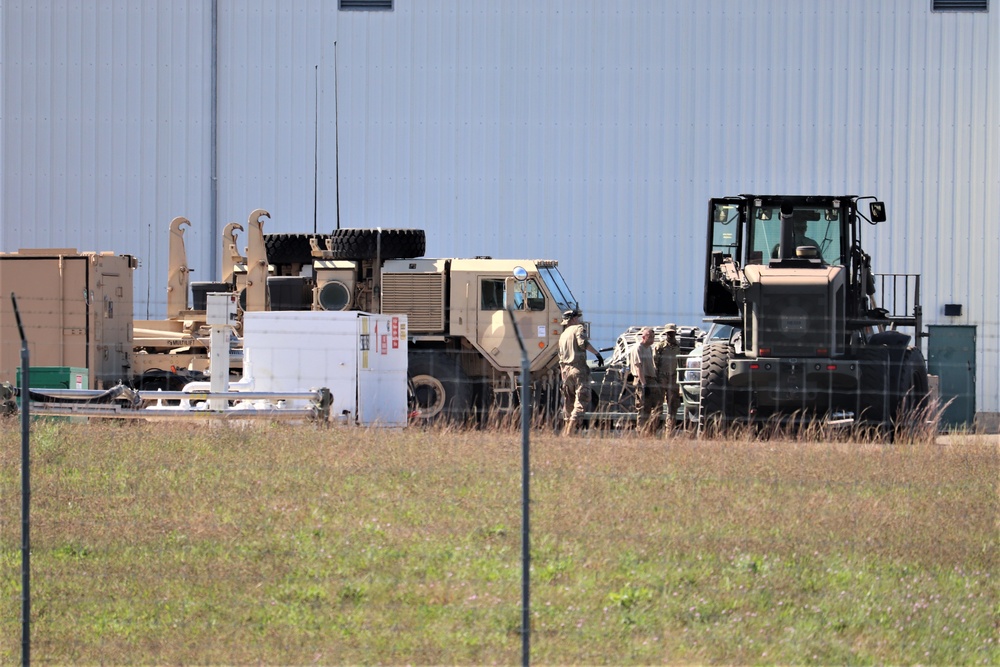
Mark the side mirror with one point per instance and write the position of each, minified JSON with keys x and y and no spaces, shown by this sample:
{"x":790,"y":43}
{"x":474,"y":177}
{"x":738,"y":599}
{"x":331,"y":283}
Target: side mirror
{"x":510,"y":286}
{"x":877,"y":211}
{"x":511,"y":283}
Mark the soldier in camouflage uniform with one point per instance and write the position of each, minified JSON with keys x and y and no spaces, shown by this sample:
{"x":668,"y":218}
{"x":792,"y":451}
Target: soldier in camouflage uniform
{"x":665,"y":360}
{"x":573,"y":346}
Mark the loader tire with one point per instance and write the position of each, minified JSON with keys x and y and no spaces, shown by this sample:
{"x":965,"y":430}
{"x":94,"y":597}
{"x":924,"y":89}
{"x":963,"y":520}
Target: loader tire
{"x":716,"y":401}
{"x":354,"y":244}
{"x":440,"y":391}
{"x":291,"y":248}
{"x":873,"y":392}
{"x":910,"y":396}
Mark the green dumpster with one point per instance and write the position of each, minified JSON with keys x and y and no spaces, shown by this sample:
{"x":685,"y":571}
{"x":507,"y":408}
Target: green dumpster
{"x":57,"y":377}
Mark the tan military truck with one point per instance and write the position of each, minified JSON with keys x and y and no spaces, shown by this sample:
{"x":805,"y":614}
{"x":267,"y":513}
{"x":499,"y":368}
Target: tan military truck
{"x":464,"y":357}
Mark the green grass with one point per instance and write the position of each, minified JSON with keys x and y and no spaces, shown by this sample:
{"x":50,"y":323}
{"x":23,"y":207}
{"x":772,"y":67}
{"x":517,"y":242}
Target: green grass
{"x":276,"y":544}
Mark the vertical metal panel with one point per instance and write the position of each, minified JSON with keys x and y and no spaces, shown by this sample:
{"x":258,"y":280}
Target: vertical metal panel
{"x":105,"y":127}
{"x":593,"y":132}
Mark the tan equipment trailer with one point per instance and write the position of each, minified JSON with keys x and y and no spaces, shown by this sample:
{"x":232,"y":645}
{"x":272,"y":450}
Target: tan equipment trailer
{"x":77,"y":311}
{"x":463,"y":354}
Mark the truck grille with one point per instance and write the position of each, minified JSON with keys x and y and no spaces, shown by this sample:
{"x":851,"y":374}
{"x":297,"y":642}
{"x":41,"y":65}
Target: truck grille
{"x":420,"y":296}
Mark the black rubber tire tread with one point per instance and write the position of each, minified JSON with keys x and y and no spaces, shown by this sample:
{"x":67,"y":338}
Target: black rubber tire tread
{"x":873,"y":365}
{"x":716,"y":402}
{"x":910,"y":398}
{"x":353,"y":244}
{"x":445,"y":368}
{"x":291,"y":248}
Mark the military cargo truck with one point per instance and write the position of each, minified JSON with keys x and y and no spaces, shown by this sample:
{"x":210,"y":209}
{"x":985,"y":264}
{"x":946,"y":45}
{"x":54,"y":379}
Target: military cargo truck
{"x":463,"y":352}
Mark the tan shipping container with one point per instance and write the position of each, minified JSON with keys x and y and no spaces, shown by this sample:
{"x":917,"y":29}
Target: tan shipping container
{"x":76,"y":310}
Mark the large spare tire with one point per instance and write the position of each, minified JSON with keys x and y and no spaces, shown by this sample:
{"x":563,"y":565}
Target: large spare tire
{"x":364,"y":243}
{"x":291,"y":248}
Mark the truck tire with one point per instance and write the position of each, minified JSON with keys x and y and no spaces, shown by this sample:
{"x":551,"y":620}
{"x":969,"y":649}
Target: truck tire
{"x":354,"y":244}
{"x":439,"y":390}
{"x":291,"y":248}
{"x":715,"y":401}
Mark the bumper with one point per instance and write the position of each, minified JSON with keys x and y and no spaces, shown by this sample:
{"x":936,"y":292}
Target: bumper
{"x":794,"y":383}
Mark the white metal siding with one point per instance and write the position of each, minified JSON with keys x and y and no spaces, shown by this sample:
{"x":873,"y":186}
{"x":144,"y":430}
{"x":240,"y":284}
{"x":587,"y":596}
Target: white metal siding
{"x":105,"y":127}
{"x":591,"y":132}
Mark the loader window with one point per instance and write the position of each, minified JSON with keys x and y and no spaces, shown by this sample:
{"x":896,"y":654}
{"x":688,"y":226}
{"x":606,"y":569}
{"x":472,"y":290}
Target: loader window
{"x":811,"y":226}
{"x":766,"y":237}
{"x":724,"y":230}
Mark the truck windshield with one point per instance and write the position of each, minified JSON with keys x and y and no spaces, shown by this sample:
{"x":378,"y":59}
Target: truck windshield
{"x":560,"y":290}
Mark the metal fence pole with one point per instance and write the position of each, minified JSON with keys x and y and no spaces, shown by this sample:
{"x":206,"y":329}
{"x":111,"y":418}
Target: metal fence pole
{"x":25,"y":492}
{"x":525,"y":499}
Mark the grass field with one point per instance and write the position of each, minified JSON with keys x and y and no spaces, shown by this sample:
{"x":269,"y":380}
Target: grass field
{"x":276,"y":544}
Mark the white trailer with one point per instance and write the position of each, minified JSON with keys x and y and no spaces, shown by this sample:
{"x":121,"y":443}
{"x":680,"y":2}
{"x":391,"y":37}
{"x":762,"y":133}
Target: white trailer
{"x":360,"y":357}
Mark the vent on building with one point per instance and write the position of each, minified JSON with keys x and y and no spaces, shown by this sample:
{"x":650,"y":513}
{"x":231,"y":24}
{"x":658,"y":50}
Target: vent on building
{"x":960,"y":5}
{"x":367,"y":5}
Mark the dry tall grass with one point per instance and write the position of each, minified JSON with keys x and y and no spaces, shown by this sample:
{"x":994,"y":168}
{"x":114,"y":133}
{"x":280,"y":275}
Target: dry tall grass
{"x":290,"y":545}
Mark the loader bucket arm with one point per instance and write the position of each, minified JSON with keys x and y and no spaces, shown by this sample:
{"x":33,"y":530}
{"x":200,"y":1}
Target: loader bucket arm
{"x":177,"y":270}
{"x":256,"y":290}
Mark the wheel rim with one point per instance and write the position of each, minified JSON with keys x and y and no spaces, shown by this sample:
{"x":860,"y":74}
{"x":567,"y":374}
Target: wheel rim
{"x":429,"y":396}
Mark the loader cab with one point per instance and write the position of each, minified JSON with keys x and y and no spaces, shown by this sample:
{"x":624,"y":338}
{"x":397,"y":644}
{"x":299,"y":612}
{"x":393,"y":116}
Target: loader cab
{"x":789,"y":231}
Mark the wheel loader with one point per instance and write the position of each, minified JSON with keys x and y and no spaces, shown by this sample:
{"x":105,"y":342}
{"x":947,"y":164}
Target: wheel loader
{"x":811,"y":341}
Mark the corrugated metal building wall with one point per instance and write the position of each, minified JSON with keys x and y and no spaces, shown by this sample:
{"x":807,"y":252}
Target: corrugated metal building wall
{"x":590,"y":132}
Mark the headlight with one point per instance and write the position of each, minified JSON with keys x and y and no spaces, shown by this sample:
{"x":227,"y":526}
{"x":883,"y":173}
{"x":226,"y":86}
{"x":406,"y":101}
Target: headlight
{"x":693,"y":366}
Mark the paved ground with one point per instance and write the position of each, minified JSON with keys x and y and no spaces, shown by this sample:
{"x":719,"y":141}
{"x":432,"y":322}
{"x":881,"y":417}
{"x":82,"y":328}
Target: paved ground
{"x":993,"y":438}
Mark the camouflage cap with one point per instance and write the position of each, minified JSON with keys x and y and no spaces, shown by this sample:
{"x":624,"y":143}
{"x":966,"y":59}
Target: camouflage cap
{"x":670,"y":327}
